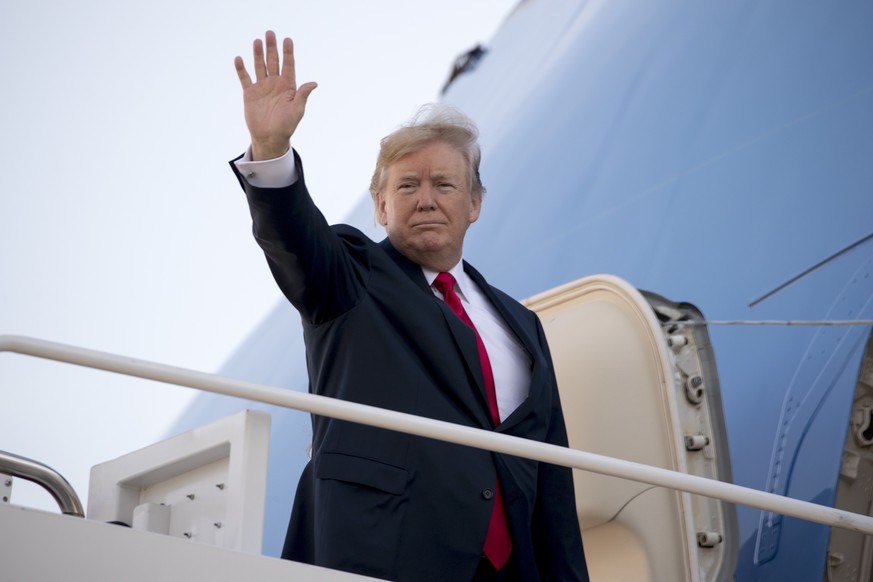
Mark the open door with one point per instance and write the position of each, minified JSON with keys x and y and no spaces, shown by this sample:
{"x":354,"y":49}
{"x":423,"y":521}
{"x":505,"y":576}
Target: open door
{"x":638,"y":388}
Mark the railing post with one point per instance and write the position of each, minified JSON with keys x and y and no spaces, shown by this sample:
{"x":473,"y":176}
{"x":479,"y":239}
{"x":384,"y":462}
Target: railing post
{"x":45,"y":477}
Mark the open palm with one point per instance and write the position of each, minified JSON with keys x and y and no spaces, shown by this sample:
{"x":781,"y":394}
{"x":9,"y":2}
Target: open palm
{"x":274,"y":105}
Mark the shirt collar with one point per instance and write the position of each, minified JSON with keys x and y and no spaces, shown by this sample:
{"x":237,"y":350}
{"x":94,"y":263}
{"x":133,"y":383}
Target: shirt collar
{"x":457,"y":272}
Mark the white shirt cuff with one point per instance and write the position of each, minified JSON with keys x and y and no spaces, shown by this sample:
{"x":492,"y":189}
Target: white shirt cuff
{"x":276,"y":173}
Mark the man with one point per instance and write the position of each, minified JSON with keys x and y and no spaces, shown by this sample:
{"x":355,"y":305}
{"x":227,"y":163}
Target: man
{"x":405,"y":324}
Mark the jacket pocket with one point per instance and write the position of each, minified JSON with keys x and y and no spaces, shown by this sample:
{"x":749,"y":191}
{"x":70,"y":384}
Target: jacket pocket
{"x":360,"y":508}
{"x":362,"y":471}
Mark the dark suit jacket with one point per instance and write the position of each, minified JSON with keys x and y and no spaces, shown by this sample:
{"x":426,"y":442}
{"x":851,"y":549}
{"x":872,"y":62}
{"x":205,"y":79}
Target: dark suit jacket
{"x":391,"y":505}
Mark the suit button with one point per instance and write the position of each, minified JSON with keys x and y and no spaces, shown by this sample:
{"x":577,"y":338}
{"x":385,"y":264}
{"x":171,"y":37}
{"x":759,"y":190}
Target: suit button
{"x":487,"y":493}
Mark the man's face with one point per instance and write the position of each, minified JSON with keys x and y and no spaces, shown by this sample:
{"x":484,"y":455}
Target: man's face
{"x":426,"y":206}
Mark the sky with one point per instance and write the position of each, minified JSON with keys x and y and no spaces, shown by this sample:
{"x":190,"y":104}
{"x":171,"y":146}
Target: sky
{"x":122,"y":228}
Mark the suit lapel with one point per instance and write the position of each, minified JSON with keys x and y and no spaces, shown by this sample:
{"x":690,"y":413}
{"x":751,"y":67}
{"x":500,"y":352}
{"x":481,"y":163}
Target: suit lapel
{"x":524,"y":334}
{"x":464,"y":338}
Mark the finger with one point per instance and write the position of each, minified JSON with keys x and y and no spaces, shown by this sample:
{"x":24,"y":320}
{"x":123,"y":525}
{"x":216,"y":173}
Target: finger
{"x":260,"y":67}
{"x":241,"y":72}
{"x":288,"y":66}
{"x":272,"y":54}
{"x":305,"y":89}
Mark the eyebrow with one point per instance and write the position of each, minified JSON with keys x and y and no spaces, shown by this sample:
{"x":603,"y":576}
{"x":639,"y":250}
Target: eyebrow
{"x":441,"y":175}
{"x":444,"y":176}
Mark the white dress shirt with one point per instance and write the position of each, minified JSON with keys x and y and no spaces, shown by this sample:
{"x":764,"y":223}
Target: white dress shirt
{"x":510,"y":362}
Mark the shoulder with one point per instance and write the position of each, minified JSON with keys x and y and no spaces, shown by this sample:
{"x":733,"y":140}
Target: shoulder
{"x":348,"y":231}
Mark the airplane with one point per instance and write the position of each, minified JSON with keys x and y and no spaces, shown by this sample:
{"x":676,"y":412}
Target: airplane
{"x":708,"y":164}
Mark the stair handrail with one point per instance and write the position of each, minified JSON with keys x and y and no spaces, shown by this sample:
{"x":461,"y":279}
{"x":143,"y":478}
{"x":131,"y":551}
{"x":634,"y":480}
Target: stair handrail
{"x":437,"y":429}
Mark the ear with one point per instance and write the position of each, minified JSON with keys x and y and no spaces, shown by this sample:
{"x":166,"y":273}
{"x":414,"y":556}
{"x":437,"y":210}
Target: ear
{"x":381,"y":210}
{"x":475,"y":208}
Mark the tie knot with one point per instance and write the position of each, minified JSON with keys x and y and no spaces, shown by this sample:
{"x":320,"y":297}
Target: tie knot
{"x":444,"y":283}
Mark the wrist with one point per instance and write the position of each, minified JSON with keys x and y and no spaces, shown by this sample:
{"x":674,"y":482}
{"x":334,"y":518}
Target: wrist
{"x":269,"y":150}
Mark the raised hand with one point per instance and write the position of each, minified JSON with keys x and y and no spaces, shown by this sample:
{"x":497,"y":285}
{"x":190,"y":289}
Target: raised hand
{"x":274,"y":105}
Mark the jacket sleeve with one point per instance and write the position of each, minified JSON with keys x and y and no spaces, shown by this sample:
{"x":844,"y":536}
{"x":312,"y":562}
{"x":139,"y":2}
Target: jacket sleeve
{"x":321,"y":270}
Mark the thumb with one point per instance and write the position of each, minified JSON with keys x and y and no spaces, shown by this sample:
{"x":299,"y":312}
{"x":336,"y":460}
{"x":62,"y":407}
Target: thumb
{"x":305,"y":89}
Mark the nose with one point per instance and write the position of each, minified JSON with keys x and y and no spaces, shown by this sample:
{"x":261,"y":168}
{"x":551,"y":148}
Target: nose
{"x":426,"y":200}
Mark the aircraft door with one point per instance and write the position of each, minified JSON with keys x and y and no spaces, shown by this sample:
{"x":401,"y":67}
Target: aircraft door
{"x":636,"y":389}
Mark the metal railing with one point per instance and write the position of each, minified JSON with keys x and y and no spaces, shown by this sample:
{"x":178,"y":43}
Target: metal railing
{"x":440,"y":430}
{"x":45,"y":477}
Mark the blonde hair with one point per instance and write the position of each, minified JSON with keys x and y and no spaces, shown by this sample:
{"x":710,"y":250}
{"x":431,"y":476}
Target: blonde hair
{"x":433,"y":123}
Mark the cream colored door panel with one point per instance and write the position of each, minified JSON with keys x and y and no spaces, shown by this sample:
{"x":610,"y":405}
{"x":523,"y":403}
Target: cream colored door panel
{"x":633,"y":390}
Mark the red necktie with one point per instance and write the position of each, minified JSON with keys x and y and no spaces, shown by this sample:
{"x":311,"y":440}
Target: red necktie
{"x":498,"y":544}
